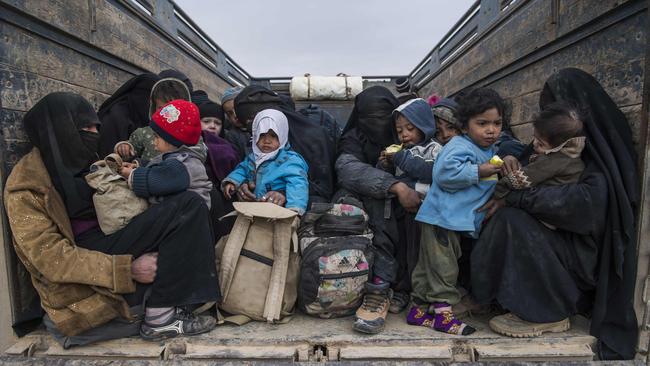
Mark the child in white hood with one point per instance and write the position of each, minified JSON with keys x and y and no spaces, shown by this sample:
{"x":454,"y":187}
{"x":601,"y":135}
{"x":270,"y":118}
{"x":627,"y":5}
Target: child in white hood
{"x":273,"y":172}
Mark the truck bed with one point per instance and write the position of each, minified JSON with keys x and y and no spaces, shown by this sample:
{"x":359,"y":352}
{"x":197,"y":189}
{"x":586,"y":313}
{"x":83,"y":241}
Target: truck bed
{"x":306,"y":338}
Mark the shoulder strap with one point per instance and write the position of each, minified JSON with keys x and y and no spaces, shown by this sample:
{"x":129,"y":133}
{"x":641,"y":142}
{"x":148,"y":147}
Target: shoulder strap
{"x":231,"y":252}
{"x":283,"y":236}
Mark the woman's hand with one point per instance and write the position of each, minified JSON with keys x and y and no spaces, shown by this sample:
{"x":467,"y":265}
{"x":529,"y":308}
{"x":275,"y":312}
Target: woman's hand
{"x":126,"y":169}
{"x":510,"y":165}
{"x":244,"y":193}
{"x":228,"y":190}
{"x":143,"y":269}
{"x":274,"y":197}
{"x":491,"y":207}
{"x":487,"y":170}
{"x":125,"y":151}
{"x":408,"y":198}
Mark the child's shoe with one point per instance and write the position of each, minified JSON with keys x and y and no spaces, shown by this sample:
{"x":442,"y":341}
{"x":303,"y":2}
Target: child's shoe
{"x":418,"y":316}
{"x":445,"y":321}
{"x":371,"y":316}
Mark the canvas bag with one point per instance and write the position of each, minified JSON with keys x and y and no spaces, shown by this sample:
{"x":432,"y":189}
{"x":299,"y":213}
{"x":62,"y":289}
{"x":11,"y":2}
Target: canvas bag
{"x":335,"y":244}
{"x":115,"y":203}
{"x":259,"y":263}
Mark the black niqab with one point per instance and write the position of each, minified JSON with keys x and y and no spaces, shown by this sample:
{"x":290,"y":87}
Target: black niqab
{"x":136,"y":92}
{"x":171,"y":73}
{"x":610,"y":147}
{"x":53,"y":126}
{"x":372,"y":121}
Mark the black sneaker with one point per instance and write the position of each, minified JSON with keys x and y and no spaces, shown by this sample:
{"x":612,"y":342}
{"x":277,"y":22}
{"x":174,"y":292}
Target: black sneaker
{"x":181,"y":323}
{"x":399,"y":302}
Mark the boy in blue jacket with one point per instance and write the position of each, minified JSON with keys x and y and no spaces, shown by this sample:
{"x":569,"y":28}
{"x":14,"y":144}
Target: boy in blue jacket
{"x":463,"y":181}
{"x":273,"y":172}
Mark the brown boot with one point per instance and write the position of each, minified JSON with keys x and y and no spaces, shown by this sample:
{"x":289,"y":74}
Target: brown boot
{"x":371,"y":316}
{"x":512,"y":326}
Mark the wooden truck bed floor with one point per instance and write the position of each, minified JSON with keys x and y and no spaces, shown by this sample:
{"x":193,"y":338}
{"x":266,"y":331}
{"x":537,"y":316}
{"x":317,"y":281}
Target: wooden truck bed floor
{"x":305,"y":338}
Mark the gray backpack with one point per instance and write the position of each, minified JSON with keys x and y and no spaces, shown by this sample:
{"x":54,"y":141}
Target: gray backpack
{"x":335,"y":243}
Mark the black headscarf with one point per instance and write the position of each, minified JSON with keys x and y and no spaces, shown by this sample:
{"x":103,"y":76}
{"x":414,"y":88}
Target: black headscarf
{"x":306,"y":137}
{"x":53,"y":125}
{"x":171,"y":73}
{"x":372,"y":121}
{"x":136,"y":92}
{"x":611,"y":149}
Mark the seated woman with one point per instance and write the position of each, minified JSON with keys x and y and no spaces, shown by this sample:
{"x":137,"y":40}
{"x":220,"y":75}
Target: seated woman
{"x":370,"y":129}
{"x":87,"y":280}
{"x":587,"y":264}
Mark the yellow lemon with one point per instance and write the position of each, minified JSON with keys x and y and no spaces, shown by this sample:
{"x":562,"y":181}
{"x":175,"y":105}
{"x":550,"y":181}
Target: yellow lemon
{"x":496,"y":160}
{"x":392,"y":149}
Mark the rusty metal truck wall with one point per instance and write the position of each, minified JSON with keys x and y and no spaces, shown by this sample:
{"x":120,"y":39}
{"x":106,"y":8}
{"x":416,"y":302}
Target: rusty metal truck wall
{"x":89,"y":47}
{"x":514,"y":48}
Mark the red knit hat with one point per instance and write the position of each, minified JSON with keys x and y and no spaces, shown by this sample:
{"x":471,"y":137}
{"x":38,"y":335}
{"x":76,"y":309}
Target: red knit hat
{"x":178,"y":122}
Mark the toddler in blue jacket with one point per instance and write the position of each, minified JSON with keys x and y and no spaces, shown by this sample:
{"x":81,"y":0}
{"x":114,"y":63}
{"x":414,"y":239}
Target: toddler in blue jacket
{"x":463,"y":181}
{"x":273,"y":172}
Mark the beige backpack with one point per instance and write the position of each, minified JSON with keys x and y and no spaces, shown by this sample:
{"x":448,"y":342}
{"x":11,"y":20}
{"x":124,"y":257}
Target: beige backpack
{"x":115,"y":203}
{"x":259,"y":263}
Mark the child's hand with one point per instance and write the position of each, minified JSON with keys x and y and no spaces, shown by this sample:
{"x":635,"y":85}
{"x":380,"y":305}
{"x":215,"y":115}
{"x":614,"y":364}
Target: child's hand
{"x":125,"y":151}
{"x":487,"y":170}
{"x":274,"y":197}
{"x":383,"y":160}
{"x":228,"y":190}
{"x":126,"y":169}
{"x":510,"y":165}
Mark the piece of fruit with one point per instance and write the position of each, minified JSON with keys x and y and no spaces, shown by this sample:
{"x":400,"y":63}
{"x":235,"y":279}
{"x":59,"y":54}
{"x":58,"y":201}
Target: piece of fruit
{"x":496,"y":160}
{"x":392,"y":149}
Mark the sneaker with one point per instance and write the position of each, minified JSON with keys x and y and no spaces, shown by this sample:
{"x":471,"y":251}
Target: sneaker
{"x":512,"y":326}
{"x":399,"y":302}
{"x":181,"y":323}
{"x":371,"y":316}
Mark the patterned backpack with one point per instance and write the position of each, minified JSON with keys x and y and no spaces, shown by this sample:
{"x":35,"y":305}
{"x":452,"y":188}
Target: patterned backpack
{"x":335,"y":243}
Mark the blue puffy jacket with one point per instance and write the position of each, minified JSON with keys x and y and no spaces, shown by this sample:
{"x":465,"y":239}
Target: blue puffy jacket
{"x":286,"y":173}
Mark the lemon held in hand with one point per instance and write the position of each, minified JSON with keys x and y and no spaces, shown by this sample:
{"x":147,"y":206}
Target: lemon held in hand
{"x":496,"y":160}
{"x":392,"y":149}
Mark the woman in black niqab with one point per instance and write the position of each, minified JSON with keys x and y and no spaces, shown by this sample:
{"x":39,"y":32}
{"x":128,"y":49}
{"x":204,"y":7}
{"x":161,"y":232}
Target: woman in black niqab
{"x":587,"y":265}
{"x":125,"y":111}
{"x":55,"y":125}
{"x":371,"y":123}
{"x":612,"y":150}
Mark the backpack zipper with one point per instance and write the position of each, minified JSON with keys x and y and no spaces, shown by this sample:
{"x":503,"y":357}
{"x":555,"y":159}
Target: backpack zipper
{"x":336,"y":276}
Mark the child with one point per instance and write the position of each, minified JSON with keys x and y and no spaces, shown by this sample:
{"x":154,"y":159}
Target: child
{"x":176,"y":126}
{"x":558,"y":143}
{"x":415,"y":128}
{"x":212,"y":118}
{"x":140,"y":143}
{"x":447,"y":125}
{"x":272,"y":167}
{"x":461,"y":185}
